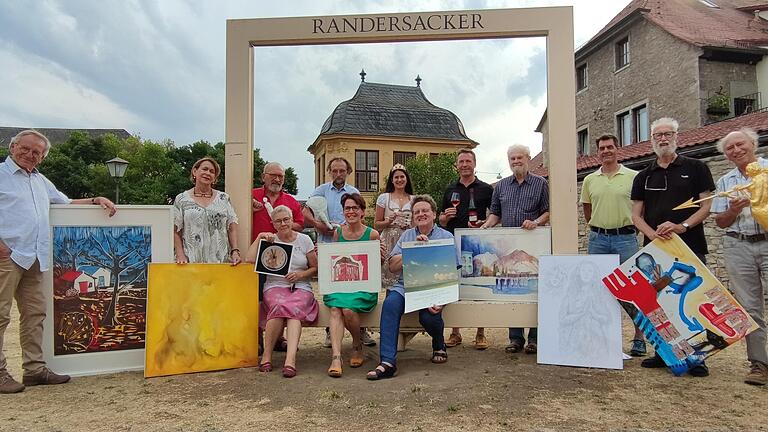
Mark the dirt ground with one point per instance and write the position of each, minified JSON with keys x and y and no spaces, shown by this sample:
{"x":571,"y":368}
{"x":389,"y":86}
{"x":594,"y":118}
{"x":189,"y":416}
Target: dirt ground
{"x":475,"y":390}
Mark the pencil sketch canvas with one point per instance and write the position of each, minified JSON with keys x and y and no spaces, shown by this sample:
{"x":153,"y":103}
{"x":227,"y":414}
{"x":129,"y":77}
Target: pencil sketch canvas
{"x":579,"y":320}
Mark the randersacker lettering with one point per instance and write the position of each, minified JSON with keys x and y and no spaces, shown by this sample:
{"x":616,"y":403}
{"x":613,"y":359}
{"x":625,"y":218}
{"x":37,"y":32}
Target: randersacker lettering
{"x":397,"y":24}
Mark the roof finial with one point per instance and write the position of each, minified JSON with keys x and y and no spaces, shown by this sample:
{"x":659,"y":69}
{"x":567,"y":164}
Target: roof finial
{"x":362,"y":75}
{"x":418,"y":80}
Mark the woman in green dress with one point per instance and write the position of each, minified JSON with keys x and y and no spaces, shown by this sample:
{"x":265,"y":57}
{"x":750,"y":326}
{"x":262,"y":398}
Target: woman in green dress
{"x":345,"y":307}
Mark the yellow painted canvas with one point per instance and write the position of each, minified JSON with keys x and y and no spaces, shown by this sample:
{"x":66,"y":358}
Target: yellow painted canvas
{"x":201,"y":317}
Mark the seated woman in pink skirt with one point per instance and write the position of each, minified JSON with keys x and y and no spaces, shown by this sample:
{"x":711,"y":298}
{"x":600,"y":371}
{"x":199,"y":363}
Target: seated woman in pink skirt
{"x":288,"y":301}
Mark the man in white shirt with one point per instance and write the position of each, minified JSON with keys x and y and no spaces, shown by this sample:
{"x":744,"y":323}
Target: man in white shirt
{"x":745,"y":246}
{"x":25,"y":197}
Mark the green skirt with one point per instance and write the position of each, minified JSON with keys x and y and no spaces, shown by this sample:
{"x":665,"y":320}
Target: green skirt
{"x":357,"y":301}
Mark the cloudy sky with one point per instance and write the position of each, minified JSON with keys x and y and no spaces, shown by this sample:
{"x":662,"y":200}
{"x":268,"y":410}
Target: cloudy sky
{"x":156,"y":69}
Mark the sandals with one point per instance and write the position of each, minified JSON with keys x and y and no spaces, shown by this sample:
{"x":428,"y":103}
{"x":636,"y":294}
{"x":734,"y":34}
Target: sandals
{"x":514,"y":346}
{"x":530,"y":348}
{"x":289,"y":371}
{"x":439,"y":357}
{"x":357,"y":358}
{"x":382,"y":371}
{"x":265,"y":367}
{"x":335,"y":372}
{"x":453,"y":340}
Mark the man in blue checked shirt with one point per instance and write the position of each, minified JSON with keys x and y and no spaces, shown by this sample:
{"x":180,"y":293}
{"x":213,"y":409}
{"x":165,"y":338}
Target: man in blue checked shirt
{"x":520,"y":200}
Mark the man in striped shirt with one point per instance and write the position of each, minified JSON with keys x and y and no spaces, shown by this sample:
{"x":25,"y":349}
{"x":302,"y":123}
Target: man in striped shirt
{"x":745,"y":246}
{"x":520,"y":200}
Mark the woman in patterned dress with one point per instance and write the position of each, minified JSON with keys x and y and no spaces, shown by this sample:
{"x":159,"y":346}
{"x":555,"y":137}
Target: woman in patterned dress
{"x":205,"y":224}
{"x":393,"y":215}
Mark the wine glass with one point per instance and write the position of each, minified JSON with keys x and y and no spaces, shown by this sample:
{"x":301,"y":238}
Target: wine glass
{"x":455,"y":199}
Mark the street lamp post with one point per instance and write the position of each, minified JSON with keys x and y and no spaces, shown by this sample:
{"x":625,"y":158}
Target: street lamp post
{"x":117,"y":169}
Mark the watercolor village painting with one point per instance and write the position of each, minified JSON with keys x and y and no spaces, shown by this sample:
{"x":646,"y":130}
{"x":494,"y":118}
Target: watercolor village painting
{"x":100,"y":288}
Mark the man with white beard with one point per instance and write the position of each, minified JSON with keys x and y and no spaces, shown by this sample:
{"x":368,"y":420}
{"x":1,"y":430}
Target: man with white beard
{"x":668,"y":181}
{"x":520,"y":200}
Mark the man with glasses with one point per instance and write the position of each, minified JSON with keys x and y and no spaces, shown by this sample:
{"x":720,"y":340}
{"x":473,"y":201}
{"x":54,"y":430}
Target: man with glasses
{"x":25,"y":198}
{"x":339,"y":168}
{"x":273,"y":179}
{"x":608,"y":212}
{"x":669,"y":180}
{"x":745,"y":245}
{"x":266,"y":197}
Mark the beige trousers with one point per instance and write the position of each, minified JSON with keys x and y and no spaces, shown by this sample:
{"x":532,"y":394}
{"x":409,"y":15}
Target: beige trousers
{"x":26,"y":287}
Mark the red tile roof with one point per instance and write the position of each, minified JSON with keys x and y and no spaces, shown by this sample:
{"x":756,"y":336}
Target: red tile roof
{"x":696,"y":23}
{"x":705,"y":134}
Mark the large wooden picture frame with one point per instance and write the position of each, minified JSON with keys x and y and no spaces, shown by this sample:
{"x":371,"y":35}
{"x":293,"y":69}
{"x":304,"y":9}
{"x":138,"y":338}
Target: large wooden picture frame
{"x":554,"y":23}
{"x":95,"y":259}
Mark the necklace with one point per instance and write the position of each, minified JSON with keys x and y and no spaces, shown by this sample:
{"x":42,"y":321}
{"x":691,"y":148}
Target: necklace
{"x":202,"y":194}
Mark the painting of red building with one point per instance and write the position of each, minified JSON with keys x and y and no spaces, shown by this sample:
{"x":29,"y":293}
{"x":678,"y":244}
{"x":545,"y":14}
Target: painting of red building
{"x":349,"y":268}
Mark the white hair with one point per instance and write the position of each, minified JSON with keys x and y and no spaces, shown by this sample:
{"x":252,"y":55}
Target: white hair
{"x":33,"y":132}
{"x":274,"y":164}
{"x":665,"y":121}
{"x":281,"y":209}
{"x":519,"y":148}
{"x":747,"y":132}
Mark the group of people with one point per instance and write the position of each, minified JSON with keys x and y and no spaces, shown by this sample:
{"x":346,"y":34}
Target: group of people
{"x":617,"y":203}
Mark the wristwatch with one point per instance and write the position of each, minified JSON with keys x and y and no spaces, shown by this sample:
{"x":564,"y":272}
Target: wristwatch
{"x":686,"y":226}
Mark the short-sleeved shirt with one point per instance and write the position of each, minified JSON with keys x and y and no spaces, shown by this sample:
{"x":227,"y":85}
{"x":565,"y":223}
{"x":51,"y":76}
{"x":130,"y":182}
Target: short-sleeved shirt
{"x":410,"y":235}
{"x":515,"y":202}
{"x":302,"y":245}
{"x":25,"y":199}
{"x":662,"y":189}
{"x":609,"y":197}
{"x":744,"y":223}
{"x":204,"y":230}
{"x":333,"y":195}
{"x":482,"y":193}
{"x":262,"y":222}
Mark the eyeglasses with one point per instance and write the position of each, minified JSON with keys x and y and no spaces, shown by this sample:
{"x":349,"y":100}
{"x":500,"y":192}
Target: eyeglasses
{"x":278,"y":176}
{"x":659,"y":135}
{"x":24,"y":150}
{"x":285,"y":220}
{"x":656,"y":188}
{"x":351,"y":208}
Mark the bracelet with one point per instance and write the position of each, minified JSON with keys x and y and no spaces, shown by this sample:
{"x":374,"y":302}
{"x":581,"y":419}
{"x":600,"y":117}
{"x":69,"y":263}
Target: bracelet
{"x":233,"y":251}
{"x":93,"y":200}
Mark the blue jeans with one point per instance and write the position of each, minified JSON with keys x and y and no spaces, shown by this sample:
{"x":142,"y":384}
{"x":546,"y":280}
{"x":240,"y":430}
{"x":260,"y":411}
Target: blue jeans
{"x":625,"y":245}
{"x":391,"y":312}
{"x":516,"y":334}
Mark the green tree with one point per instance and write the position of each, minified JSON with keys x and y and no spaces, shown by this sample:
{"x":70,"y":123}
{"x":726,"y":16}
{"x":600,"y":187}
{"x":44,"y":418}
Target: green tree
{"x":431,"y":175}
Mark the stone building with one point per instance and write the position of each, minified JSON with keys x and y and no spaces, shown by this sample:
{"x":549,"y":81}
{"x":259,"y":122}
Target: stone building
{"x":382,"y":125}
{"x":698,"y":61}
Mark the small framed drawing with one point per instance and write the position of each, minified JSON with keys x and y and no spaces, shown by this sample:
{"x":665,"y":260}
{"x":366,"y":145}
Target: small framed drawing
{"x":96,"y":288}
{"x":349,"y":267}
{"x":273,"y":258}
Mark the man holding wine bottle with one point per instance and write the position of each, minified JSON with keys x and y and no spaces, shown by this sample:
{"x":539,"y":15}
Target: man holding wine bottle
{"x":520,"y":200}
{"x":465,"y":204}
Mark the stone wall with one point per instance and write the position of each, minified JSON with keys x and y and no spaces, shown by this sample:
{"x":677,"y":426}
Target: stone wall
{"x":718,"y":165}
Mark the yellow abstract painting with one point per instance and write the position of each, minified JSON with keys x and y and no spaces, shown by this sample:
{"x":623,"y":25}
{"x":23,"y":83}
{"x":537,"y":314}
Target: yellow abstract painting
{"x":201,"y":317}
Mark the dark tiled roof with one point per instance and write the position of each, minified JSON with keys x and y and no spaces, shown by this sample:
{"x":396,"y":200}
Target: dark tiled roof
{"x":696,"y":23}
{"x":56,"y":136}
{"x":703,"y":135}
{"x":393,"y":110}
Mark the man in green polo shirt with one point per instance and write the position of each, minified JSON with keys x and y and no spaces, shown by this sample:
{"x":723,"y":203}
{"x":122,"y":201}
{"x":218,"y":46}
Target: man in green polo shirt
{"x":608,"y":212}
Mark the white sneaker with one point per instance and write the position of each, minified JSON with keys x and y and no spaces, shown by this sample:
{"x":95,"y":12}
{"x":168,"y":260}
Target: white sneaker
{"x":366,"y":338}
{"x":327,"y":342}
